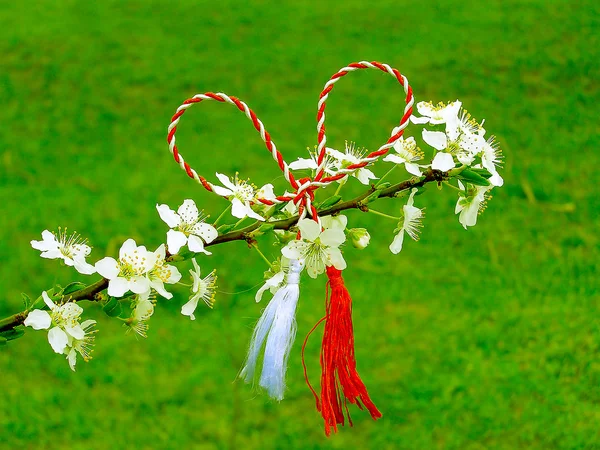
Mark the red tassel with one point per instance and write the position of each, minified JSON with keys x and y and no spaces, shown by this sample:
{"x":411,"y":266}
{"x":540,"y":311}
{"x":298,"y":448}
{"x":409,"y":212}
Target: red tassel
{"x":338,"y":363}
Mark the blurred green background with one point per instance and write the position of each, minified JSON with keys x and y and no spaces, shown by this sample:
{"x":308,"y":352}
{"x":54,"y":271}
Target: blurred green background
{"x":480,"y":339}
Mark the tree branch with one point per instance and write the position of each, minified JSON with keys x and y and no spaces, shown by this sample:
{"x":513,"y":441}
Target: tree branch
{"x":91,"y":291}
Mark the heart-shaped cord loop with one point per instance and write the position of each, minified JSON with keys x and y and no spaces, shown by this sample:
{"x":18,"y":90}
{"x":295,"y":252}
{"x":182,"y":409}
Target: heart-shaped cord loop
{"x":396,"y":132}
{"x":304,"y":188}
{"x":224,"y":98}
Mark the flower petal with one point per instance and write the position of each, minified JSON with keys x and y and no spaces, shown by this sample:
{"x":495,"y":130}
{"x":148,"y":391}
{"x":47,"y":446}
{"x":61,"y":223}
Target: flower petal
{"x":205,"y":231}
{"x":117,"y":287}
{"x":170,"y":217}
{"x":294,"y":249}
{"x":396,"y":245}
{"x":419,"y":120}
{"x":303,"y":163}
{"x":76,"y":331}
{"x":189,"y":308}
{"x":252,"y":214}
{"x":72,"y":359}
{"x":333,"y":237}
{"x":83,"y":267}
{"x":175,"y":240}
{"x":225,"y":181}
{"x":48,"y":301}
{"x":188,"y":211}
{"x":196,"y":245}
{"x":394,"y":159}
{"x":364,"y":175}
{"x":58,"y":339}
{"x":108,"y":268}
{"x":413,"y":169}
{"x":160,"y":288}
{"x":309,"y":229}
{"x":436,"y":139}
{"x":336,"y":258}
{"x":38,"y":320}
{"x":496,"y":179}
{"x":443,"y":161}
{"x":48,"y":242}
{"x":139,"y":284}
{"x":127,"y":248}
{"x":238,"y":209}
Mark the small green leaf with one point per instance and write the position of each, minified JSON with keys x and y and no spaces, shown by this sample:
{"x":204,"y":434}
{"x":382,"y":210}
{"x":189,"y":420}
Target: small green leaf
{"x":226,"y":228}
{"x":3,"y":341}
{"x":474,"y":178}
{"x":384,"y":185}
{"x":10,"y":335}
{"x":26,"y":300}
{"x":329,"y":202}
{"x":266,"y":227}
{"x":112,"y":308}
{"x":483,"y":172}
{"x":73,"y":287}
{"x":374,"y":196}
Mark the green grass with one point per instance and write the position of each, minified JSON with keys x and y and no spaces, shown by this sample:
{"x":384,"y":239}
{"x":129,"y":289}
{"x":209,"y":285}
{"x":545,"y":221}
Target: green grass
{"x":480,"y":339}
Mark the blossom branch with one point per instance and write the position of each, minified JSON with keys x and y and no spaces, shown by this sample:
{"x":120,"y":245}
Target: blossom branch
{"x":245,"y":234}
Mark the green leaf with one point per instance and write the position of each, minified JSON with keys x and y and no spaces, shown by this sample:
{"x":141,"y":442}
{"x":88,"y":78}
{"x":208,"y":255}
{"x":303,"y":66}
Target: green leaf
{"x":329,"y":202}
{"x":26,"y":300}
{"x":266,"y":227}
{"x":3,"y":341}
{"x":223,"y":229}
{"x":472,"y":177}
{"x":112,"y":308}
{"x":374,"y":196}
{"x":384,"y":185}
{"x":483,"y":172}
{"x":73,"y":287}
{"x":10,"y":335}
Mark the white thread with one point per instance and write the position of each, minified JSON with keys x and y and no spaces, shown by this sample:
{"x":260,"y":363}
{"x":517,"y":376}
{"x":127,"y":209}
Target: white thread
{"x":277,"y":326}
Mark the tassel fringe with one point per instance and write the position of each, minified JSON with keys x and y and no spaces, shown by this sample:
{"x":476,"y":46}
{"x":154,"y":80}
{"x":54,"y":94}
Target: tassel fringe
{"x":276,"y":326}
{"x":338,"y":362}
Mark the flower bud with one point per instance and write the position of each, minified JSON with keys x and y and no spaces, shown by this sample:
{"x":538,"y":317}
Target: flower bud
{"x":360,"y":237}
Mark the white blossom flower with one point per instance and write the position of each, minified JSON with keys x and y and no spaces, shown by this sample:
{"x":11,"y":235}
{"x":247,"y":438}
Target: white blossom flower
{"x":463,"y":139}
{"x":82,"y":346}
{"x":311,"y":162}
{"x":350,"y":156}
{"x":435,"y":114}
{"x":472,"y":204}
{"x":491,"y":156}
{"x":143,"y":308}
{"x":337,"y":222}
{"x":129,"y":273}
{"x":410,"y":223}
{"x":162,"y":273}
{"x":240,"y":193}
{"x":458,"y":140}
{"x":72,"y":249}
{"x":317,"y":249}
{"x":62,"y":322}
{"x":275,"y":278}
{"x":359,"y":237}
{"x":407,"y":153}
{"x":187,"y":227}
{"x":202,"y":288}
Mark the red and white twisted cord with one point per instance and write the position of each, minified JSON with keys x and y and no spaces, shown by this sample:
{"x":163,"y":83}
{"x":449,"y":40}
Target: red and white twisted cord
{"x":224,"y":98}
{"x":322,"y":138}
{"x":305,"y":187}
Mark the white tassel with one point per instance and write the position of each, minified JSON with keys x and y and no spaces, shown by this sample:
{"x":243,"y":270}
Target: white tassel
{"x":278,"y":326}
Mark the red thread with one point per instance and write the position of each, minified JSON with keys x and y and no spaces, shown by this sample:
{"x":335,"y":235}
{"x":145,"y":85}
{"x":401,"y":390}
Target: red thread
{"x":340,"y":381}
